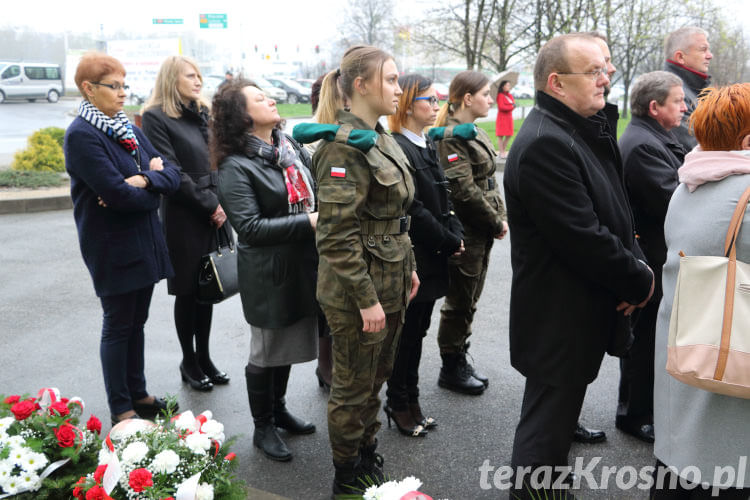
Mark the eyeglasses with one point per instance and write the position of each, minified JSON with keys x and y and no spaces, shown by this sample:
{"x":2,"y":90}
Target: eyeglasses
{"x":432,"y":100}
{"x":113,"y":86}
{"x":593,"y":75}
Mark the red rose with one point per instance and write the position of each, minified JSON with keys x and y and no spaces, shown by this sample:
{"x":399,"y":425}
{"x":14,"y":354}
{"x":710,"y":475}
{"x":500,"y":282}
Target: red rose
{"x":99,"y":473}
{"x":97,"y":493}
{"x":23,"y":409}
{"x":66,"y":436}
{"x":94,"y":425}
{"x":59,"y":407}
{"x":230,"y":457}
{"x":11,"y":400}
{"x":64,"y":400}
{"x":140,"y":479}
{"x":78,"y":491}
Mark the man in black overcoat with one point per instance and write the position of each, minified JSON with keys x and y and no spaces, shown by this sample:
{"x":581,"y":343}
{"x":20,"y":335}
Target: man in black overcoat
{"x":576,"y":271}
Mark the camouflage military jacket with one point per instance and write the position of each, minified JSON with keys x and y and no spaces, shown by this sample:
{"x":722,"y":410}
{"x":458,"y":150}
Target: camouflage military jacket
{"x":470,"y":169}
{"x":362,"y":231}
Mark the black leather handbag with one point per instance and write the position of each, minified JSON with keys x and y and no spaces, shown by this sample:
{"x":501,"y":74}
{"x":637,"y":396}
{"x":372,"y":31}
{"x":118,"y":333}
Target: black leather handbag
{"x":217,"y":276}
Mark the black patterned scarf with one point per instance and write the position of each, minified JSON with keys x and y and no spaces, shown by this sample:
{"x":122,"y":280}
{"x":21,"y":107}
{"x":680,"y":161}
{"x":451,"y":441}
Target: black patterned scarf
{"x":118,"y":128}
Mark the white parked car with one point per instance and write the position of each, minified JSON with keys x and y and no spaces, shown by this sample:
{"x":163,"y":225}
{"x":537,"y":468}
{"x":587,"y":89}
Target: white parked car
{"x":30,"y":81}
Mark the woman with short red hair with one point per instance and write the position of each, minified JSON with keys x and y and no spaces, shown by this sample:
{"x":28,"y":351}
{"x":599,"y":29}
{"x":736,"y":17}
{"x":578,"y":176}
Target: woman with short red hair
{"x":116,"y":182}
{"x":697,"y":430}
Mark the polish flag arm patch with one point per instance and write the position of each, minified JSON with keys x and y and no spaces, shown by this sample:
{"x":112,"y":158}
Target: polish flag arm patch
{"x":452,"y":158}
{"x":338,"y":172}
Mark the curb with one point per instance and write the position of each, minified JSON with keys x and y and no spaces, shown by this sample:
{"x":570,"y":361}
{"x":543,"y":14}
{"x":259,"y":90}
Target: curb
{"x":41,"y":200}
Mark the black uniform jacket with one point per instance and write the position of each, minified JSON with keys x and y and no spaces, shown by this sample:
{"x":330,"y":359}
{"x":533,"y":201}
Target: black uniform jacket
{"x":185,"y":214}
{"x":573,"y":249}
{"x":435,"y":231}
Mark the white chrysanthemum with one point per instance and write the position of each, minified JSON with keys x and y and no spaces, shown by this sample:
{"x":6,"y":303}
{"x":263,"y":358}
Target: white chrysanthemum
{"x":204,"y":492}
{"x":34,"y":461}
{"x":18,"y":455}
{"x":11,"y":485}
{"x":29,"y":481}
{"x":134,"y":452}
{"x":410,"y":483}
{"x":6,"y":469}
{"x":5,"y":424}
{"x":198,"y":443}
{"x":186,"y":422}
{"x":213,"y":429}
{"x":15,"y":441}
{"x":165,"y":462}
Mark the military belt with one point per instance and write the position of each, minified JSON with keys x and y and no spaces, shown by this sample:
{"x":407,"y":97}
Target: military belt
{"x":390,"y":226}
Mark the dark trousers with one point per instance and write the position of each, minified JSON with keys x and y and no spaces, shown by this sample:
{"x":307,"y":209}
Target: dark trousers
{"x":121,"y":347}
{"x":636,"y":394}
{"x":694,"y":492}
{"x":403,"y":384}
{"x":548,"y":420}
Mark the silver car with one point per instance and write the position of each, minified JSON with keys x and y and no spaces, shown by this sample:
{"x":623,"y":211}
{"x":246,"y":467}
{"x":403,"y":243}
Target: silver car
{"x":30,"y":81}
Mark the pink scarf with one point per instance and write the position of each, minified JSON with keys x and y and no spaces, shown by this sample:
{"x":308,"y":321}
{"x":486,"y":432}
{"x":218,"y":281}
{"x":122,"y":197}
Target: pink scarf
{"x":710,"y":166}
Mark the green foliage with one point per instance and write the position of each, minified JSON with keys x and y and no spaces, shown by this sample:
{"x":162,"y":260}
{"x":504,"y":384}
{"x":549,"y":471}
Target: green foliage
{"x":22,"y":179}
{"x":294,"y":110}
{"x":44,"y":154}
{"x":57,"y":133}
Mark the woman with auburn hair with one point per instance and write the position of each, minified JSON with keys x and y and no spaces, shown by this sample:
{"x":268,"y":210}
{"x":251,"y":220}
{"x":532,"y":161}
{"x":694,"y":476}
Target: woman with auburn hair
{"x":266,"y":188}
{"x":116,"y":181}
{"x":176,"y":122}
{"x":468,"y":157}
{"x":697,"y":430}
{"x":366,"y":274}
{"x":436,"y":234}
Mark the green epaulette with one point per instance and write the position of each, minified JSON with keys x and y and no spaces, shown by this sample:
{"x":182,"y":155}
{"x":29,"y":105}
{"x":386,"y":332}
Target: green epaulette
{"x":363,"y":140}
{"x":465,"y":131}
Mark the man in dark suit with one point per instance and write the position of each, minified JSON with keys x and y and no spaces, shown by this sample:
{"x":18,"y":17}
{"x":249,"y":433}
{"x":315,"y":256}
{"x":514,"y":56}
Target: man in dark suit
{"x":651,"y":155}
{"x":576,"y":271}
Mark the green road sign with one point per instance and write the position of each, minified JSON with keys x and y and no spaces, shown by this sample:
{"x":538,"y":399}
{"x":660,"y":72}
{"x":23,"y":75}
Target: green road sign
{"x":162,"y":20}
{"x":213,"y":21}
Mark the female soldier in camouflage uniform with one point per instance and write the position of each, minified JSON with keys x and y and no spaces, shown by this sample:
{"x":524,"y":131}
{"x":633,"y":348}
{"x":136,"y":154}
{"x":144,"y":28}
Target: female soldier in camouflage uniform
{"x":468,"y":157}
{"x":367,"y":271}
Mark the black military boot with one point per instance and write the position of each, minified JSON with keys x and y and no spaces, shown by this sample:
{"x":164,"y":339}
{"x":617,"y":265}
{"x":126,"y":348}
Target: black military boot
{"x":260,"y":396}
{"x":348,"y":479}
{"x":456,"y":376}
{"x":474,"y":373}
{"x":281,"y":416}
{"x":372,"y":464}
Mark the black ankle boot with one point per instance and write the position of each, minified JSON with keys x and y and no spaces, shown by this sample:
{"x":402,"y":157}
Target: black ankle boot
{"x":260,"y":397}
{"x":456,"y":376}
{"x":371,"y":464}
{"x":348,"y":479}
{"x":281,"y":416}
{"x":474,"y":373}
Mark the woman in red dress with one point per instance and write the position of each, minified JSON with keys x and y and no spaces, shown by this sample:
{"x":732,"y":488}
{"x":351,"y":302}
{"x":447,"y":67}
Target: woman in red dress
{"x":504,"y":120}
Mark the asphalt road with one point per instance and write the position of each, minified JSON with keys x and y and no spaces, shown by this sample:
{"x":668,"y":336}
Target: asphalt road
{"x":49,"y":335}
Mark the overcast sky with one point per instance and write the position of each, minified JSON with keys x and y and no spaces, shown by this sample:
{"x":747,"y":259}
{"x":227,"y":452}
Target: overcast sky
{"x":288,"y":21}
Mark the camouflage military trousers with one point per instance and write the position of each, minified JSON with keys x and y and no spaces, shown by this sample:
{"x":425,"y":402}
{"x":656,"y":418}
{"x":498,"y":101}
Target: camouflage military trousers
{"x":362,"y":362}
{"x":467,"y":274}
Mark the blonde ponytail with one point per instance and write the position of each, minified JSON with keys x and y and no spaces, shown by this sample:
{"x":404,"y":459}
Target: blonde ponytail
{"x":443,"y":115}
{"x":330,"y":100}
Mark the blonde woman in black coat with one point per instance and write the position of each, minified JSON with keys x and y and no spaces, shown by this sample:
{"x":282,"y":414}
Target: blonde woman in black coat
{"x":176,"y":122}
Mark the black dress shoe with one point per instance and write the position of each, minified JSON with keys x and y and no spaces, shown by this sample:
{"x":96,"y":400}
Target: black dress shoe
{"x":203,"y":384}
{"x":152,"y":410}
{"x":219,"y":378}
{"x":588,"y":436}
{"x":644,"y":432}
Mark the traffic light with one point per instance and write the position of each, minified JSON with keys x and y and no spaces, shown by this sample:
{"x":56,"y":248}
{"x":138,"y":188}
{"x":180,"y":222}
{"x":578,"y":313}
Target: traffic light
{"x":317,"y":49}
{"x":275,"y":48}
{"x":256,"y":48}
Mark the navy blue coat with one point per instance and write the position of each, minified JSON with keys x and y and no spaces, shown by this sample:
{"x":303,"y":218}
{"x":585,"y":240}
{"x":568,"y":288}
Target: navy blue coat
{"x":123,"y":243}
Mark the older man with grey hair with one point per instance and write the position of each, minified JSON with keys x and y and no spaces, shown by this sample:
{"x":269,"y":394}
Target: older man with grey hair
{"x":651,"y":155}
{"x":688,"y":55}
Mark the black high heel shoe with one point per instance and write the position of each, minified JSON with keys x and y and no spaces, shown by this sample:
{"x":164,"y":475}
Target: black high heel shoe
{"x":218,"y":378}
{"x":203,"y":384}
{"x":416,"y":412}
{"x":326,"y":386}
{"x":411,"y":429}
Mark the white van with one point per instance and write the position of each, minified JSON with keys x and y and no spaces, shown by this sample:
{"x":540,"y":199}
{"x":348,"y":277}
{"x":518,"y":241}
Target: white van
{"x":30,"y":81}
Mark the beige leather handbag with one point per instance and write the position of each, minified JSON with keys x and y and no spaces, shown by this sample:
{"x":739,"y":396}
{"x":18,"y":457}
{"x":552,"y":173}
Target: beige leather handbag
{"x":709,"y":330}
